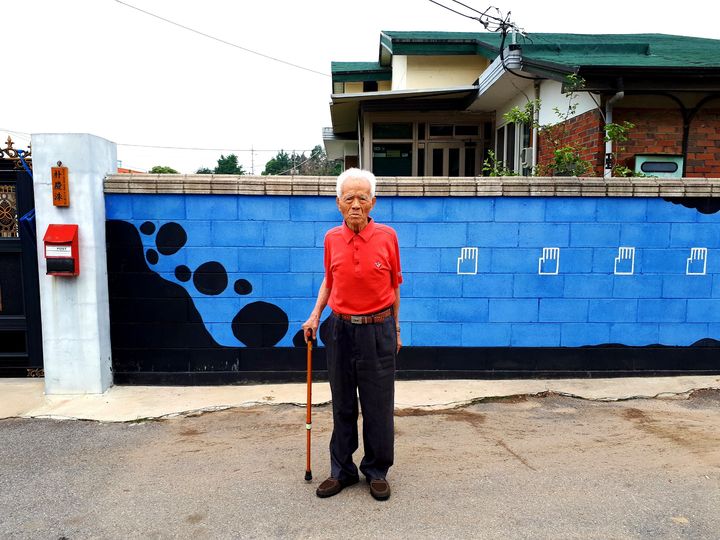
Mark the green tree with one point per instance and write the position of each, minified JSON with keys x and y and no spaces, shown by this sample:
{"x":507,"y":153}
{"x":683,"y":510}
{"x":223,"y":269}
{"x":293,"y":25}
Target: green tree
{"x":317,"y":164}
{"x":228,"y":165}
{"x":204,"y":170}
{"x":282,"y":163}
{"x":162,"y":169}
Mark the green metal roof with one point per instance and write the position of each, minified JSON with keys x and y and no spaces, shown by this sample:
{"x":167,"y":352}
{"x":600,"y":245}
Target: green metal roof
{"x":437,"y":43}
{"x":569,"y":50}
{"x":623,"y":50}
{"x":360,"y":71}
{"x":349,"y":67}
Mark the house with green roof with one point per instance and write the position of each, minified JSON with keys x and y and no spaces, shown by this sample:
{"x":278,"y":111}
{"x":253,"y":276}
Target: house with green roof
{"x":435,"y":103}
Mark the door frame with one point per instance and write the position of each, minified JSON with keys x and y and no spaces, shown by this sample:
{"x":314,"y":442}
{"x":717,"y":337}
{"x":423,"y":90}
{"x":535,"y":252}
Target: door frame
{"x":29,"y":363}
{"x":446,"y":146}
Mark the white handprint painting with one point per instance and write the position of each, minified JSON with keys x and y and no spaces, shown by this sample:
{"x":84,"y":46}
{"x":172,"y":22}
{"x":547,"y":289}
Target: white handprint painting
{"x":549,"y":263}
{"x":467,"y":261}
{"x":625,"y":261}
{"x":697,"y":262}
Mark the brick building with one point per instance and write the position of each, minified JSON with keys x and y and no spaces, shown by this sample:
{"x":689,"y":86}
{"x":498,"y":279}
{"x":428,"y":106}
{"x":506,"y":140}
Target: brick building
{"x":434,"y":103}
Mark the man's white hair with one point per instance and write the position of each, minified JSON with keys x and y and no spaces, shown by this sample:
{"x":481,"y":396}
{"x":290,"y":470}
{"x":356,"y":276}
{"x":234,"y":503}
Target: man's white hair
{"x":358,"y":174}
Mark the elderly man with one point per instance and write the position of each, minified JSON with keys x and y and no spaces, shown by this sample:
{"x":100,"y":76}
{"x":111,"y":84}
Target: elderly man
{"x":361,"y":285}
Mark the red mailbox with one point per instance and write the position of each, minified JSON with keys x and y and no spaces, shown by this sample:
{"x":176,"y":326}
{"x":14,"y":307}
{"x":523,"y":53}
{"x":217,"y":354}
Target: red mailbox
{"x":62,"y":253}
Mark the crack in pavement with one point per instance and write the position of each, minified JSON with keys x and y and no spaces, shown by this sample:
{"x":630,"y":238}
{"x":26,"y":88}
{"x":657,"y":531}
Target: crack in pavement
{"x":517,"y":456}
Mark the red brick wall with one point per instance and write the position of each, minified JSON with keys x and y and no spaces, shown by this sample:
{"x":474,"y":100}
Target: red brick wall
{"x":584,"y":130}
{"x":704,"y":144}
{"x":656,"y":131}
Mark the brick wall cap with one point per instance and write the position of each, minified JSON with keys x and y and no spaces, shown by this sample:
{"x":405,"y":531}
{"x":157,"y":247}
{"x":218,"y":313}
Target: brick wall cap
{"x":431,"y":186}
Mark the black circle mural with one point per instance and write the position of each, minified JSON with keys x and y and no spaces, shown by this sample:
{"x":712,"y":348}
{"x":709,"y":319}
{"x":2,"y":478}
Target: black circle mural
{"x":152,"y":256}
{"x":210,"y":278}
{"x":323,"y":332}
{"x":260,"y":324}
{"x":243,"y":286}
{"x":147,"y":228}
{"x":170,"y":238}
{"x":298,"y":339}
{"x":182,"y":273}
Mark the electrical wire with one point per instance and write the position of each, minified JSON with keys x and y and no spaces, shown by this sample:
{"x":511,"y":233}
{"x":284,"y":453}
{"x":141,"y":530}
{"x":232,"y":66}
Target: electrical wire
{"x":266,"y":56}
{"x":295,"y":166}
{"x":204,"y":149}
{"x":505,"y":67}
{"x":502,"y":25}
{"x":483,"y":13}
{"x":20,"y":134}
{"x":201,"y":149}
{"x":458,"y":12}
{"x":471,"y":8}
{"x":486,"y":20}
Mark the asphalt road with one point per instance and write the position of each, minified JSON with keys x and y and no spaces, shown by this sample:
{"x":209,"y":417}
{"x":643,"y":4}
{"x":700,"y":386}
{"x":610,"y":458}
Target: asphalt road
{"x":539,"y":467}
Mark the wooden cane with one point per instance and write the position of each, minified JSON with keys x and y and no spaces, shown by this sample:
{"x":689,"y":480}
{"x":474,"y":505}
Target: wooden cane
{"x":308,"y":418}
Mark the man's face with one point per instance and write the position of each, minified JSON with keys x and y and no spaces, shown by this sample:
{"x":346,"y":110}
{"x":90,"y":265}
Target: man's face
{"x":355,"y":203}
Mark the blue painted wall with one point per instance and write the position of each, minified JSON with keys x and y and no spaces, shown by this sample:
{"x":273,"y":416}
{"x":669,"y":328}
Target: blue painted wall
{"x":583,"y":296}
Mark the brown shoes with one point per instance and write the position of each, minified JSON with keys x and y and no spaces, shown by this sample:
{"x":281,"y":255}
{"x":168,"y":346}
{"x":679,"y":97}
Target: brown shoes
{"x":379,"y":489}
{"x":333,"y":486}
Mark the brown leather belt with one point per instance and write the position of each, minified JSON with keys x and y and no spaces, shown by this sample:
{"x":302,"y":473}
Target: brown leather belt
{"x":371,"y":318}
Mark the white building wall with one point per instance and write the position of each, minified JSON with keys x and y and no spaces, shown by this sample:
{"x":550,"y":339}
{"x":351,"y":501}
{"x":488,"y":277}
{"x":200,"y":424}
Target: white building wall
{"x":399,"y":72}
{"x":75,"y":310}
{"x":551,"y":96}
{"x":519,"y":100}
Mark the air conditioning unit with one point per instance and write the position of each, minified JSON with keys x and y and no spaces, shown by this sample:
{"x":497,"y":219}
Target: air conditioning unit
{"x":526,"y":156}
{"x":659,"y":165}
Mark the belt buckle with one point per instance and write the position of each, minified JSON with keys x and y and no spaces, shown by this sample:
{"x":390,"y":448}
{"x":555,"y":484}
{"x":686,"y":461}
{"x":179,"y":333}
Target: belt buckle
{"x":356,"y":319}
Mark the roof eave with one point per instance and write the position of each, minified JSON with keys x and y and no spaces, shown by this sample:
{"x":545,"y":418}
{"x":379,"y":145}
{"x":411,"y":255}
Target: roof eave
{"x":680,"y":78}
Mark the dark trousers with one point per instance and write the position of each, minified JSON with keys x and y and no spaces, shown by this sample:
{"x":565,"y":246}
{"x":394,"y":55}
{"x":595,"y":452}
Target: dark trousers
{"x":361,"y":360}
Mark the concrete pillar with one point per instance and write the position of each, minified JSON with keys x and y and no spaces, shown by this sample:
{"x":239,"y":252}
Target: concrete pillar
{"x":75,"y":312}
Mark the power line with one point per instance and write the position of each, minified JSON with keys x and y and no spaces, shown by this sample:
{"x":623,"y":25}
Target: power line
{"x":196,"y":148}
{"x":295,"y":165}
{"x":490,"y":22}
{"x":222,"y":40}
{"x":205,"y":149}
{"x":497,"y":20}
{"x":20,"y":134}
{"x":455,"y":11}
{"x":502,"y":25}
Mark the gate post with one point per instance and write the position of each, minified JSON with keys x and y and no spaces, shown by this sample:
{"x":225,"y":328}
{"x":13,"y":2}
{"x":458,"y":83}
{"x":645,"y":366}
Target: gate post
{"x":75,"y":311}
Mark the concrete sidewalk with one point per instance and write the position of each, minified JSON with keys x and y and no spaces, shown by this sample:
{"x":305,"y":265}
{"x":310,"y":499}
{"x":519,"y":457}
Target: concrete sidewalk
{"x":25,"y":398}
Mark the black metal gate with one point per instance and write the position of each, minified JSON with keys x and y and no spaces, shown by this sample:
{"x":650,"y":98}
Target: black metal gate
{"x":20,"y":330}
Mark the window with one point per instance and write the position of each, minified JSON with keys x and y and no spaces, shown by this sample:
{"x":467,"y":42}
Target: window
{"x":420,"y":147}
{"x":392,"y":159}
{"x":441,"y":130}
{"x":370,"y":86}
{"x":470,"y":150}
{"x":392,"y":131}
{"x":512,"y":147}
{"x":466,"y":131}
{"x":8,"y":212}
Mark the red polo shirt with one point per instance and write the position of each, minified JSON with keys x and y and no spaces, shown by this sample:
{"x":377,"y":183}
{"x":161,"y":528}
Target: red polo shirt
{"x":362,"y":270}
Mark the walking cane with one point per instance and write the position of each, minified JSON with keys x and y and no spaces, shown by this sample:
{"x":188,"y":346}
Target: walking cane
{"x":308,"y":418}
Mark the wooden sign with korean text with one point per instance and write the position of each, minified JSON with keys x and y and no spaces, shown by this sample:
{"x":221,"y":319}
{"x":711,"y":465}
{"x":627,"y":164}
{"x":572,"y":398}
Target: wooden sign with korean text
{"x":60,"y":186}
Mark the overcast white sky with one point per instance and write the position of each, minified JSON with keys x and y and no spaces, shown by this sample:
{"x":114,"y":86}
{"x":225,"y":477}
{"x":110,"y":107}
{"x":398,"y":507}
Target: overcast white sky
{"x":97,"y":66}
